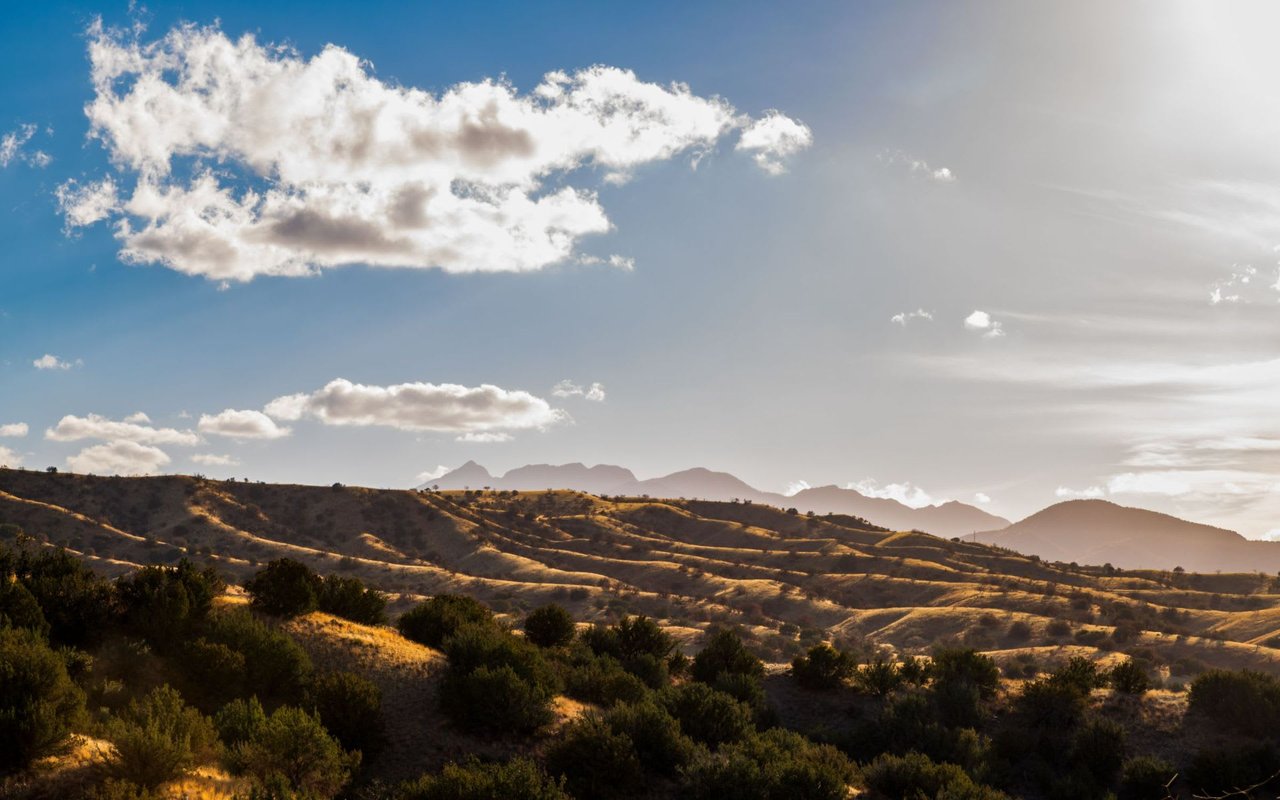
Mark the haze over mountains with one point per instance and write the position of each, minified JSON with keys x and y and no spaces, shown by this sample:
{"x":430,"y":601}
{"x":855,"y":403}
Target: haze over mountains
{"x":946,"y":519}
{"x":1081,"y":531}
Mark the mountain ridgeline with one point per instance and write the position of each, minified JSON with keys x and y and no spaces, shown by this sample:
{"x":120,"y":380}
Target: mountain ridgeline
{"x":946,"y":519}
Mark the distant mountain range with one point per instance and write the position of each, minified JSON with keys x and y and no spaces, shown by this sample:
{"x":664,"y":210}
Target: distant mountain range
{"x":947,"y":519}
{"x":1083,"y":531}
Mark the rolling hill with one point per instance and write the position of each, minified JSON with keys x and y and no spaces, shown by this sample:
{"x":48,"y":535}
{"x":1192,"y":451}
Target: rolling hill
{"x":785,"y":578}
{"x":945,"y":519}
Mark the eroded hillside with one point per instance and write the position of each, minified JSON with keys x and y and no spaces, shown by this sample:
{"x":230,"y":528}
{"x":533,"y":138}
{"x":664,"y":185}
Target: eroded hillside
{"x":788,"y":579}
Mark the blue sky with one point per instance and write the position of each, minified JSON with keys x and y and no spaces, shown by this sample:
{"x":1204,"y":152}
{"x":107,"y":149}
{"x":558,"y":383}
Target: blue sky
{"x":1081,"y":202}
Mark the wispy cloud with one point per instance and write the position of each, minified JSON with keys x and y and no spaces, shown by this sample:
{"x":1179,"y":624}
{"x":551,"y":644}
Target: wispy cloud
{"x":50,"y":361}
{"x":916,"y":167}
{"x":566,"y":388}
{"x":904,"y":317}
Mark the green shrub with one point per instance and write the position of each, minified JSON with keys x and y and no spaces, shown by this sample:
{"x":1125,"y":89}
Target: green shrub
{"x":823,"y":668}
{"x":284,"y":588}
{"x":1080,"y":675}
{"x":293,"y":748}
{"x":439,"y":618}
{"x":212,"y":674}
{"x":116,"y":789}
{"x":724,"y":652}
{"x":603,"y":681}
{"x":1098,"y":748}
{"x":1246,"y":701}
{"x":19,"y":607}
{"x":595,"y":761}
{"x":78,"y":604}
{"x":1128,"y":677}
{"x":478,"y":646}
{"x":38,"y":702}
{"x":654,"y":734}
{"x":494,"y":699}
{"x":1224,"y":771}
{"x":350,"y":599}
{"x":158,"y":739}
{"x":350,"y":708}
{"x":518,"y":779}
{"x":1147,"y":778}
{"x":916,"y":776}
{"x":879,"y":678}
{"x":706,"y":715}
{"x":239,"y":721}
{"x":968,"y":668}
{"x":549,"y":626}
{"x":276,"y":668}
{"x":777,"y":765}
{"x":165,"y":604}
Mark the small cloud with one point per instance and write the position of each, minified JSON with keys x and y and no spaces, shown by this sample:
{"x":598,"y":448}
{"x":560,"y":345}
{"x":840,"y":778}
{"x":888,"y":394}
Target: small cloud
{"x":772,"y":139}
{"x":236,"y":424}
{"x":905,"y":493}
{"x":1089,"y":493}
{"x":211,"y":460}
{"x":15,"y":430}
{"x":981,"y":498}
{"x":84,"y":204}
{"x":138,"y":418}
{"x":10,"y":458}
{"x":431,"y":475}
{"x":72,"y":428}
{"x":916,"y":167}
{"x":48,"y":361}
{"x":566,"y":388}
{"x":119,"y":458}
{"x":13,"y":147}
{"x":1244,"y":285}
{"x":624,"y":263}
{"x":982,"y":321}
{"x":903,"y":317}
{"x":484,"y":437}
{"x":796,"y":487}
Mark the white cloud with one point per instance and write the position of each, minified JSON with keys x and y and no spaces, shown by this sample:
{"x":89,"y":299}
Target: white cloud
{"x":48,"y":361}
{"x":9,"y":457}
{"x":981,"y":498}
{"x":321,"y":164}
{"x":138,"y":418}
{"x":13,"y":147}
{"x":796,"y":487}
{"x":916,"y":167}
{"x":1245,"y":285}
{"x":14,"y":429}
{"x":431,"y":475}
{"x":566,"y":388}
{"x":1089,"y":492}
{"x":241,"y":425}
{"x":447,"y":408}
{"x":72,"y":428}
{"x":982,"y":321}
{"x":119,"y":458}
{"x":903,"y":317}
{"x":772,"y":139}
{"x":213,"y":460}
{"x":484,"y":437}
{"x":905,"y":493}
{"x":624,"y":263}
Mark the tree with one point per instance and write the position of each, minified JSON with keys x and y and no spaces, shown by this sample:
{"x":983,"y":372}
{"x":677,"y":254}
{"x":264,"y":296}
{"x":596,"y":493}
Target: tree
{"x":549,"y":626}
{"x":823,"y":668}
{"x":654,"y":734}
{"x":293,"y":746}
{"x":1128,"y":677}
{"x":78,"y":604}
{"x":706,"y":715}
{"x":165,"y":604}
{"x":19,"y":607}
{"x":350,"y":707}
{"x":518,"y":779}
{"x":158,"y":739}
{"x":725,"y":653}
{"x":350,"y":599}
{"x":276,"y":668}
{"x":437,"y":619}
{"x":284,"y":588}
{"x":595,"y":760}
{"x":879,"y":678}
{"x":38,"y":702}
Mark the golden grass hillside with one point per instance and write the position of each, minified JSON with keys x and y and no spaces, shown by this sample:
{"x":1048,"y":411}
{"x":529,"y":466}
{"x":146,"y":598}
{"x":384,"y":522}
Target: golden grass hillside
{"x":786,"y":579}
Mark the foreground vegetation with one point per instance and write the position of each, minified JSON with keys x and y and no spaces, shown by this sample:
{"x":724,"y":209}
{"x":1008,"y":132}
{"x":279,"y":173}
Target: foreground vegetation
{"x":168,"y":681}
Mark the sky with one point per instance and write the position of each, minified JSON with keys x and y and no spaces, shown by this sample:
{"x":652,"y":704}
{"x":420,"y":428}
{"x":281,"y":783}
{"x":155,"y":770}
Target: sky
{"x":997,"y":252}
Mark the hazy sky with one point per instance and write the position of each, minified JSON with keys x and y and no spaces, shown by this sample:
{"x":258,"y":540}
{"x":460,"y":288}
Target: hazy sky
{"x":1004,"y":253}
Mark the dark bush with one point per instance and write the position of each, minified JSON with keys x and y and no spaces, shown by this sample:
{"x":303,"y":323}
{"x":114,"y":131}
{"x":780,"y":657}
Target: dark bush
{"x":157,"y":739}
{"x":78,"y":605}
{"x":1080,"y":675}
{"x":1147,"y":778}
{"x":724,"y":652}
{"x":654,"y":734}
{"x":596,"y":761}
{"x":350,"y":708}
{"x":19,"y":608}
{"x":239,"y":721}
{"x":879,"y":678}
{"x":967,"y":668}
{"x":916,"y":776}
{"x":549,"y":626}
{"x":38,"y":702}
{"x":1128,"y":677}
{"x":1099,"y":748}
{"x":823,"y":668}
{"x":276,"y":668}
{"x":165,"y":604}
{"x":518,"y":779}
{"x":1246,"y":701}
{"x":292,"y":748}
{"x":494,"y":699}
{"x":1225,"y":771}
{"x":212,"y":674}
{"x":437,"y":619}
{"x":706,"y":715}
{"x":482,"y":646}
{"x":350,"y":599}
{"x":284,"y":588}
{"x":603,"y":681}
